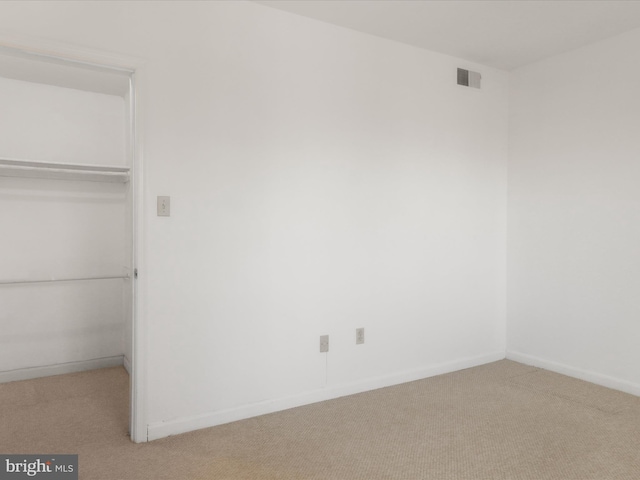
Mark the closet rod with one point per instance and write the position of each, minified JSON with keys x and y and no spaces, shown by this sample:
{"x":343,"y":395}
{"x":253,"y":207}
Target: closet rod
{"x":10,"y":167}
{"x":18,"y":282}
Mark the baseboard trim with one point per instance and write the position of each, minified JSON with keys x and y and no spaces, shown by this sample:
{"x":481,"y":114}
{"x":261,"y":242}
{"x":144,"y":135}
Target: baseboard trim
{"x":60,"y":369}
{"x":126,"y":364}
{"x":589,"y":376}
{"x":187,"y":424}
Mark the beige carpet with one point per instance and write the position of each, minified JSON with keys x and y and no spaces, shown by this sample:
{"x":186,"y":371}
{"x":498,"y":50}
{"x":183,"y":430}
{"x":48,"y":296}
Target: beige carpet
{"x":499,"y":421}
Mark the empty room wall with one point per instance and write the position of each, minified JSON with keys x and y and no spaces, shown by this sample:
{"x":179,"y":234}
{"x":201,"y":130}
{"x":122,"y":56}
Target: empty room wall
{"x":320,"y":180}
{"x":574,"y":213}
{"x":58,"y":229}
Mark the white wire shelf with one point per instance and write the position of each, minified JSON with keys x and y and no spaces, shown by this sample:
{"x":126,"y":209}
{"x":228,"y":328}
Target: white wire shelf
{"x":63,"y":171}
{"x":55,"y":280}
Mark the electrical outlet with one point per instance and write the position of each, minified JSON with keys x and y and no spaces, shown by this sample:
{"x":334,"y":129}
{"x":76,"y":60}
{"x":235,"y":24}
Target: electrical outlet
{"x":359,"y":336}
{"x":164,"y":206}
{"x":324,"y":343}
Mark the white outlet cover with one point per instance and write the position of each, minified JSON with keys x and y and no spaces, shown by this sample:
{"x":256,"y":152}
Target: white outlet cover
{"x":324,"y":343}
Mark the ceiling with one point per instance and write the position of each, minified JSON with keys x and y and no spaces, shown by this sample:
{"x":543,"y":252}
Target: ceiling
{"x":505,"y":34}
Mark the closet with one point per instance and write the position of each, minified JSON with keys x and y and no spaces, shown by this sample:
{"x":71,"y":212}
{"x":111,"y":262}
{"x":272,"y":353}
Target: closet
{"x":66,"y":217}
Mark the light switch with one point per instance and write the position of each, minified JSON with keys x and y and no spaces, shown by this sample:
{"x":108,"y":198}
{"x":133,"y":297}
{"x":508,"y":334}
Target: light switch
{"x":164,"y":206}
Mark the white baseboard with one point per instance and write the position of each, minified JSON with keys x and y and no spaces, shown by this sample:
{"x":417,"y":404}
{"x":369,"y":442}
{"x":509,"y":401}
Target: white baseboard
{"x":60,"y":369}
{"x":126,"y":364}
{"x":593,"y":377}
{"x":187,"y":424}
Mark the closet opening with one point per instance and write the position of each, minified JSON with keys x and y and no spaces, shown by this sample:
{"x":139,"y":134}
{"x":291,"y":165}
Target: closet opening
{"x":67,"y":216}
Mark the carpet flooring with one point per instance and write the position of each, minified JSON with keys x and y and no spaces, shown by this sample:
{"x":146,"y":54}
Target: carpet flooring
{"x":502,"y":420}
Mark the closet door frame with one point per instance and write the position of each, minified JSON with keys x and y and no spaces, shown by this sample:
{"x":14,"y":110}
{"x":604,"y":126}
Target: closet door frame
{"x":134,"y":67}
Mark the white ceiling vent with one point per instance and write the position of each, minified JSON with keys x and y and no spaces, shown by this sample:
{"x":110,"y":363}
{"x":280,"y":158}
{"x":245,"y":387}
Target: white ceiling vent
{"x":468,"y":78}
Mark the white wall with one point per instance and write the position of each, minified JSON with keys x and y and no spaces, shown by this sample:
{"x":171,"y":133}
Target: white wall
{"x":49,"y":123}
{"x":321,"y":180}
{"x":574,"y":213}
{"x":54,"y":229}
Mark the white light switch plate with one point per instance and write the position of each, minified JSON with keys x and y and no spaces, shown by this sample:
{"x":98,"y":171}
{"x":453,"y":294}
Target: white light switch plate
{"x":164,"y":206}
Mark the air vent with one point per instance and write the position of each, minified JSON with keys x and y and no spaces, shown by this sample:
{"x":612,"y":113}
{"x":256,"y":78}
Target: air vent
{"x":468,"y":78}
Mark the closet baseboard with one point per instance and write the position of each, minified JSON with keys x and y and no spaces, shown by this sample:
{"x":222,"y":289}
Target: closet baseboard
{"x":60,"y":369}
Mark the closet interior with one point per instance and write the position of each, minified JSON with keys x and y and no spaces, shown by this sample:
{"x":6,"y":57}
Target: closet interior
{"x":66,"y":217}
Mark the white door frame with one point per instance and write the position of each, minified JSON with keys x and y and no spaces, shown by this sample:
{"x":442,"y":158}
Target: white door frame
{"x":69,"y":54}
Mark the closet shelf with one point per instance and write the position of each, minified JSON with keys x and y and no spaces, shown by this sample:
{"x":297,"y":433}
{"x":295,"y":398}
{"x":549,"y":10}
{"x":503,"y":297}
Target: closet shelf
{"x":55,"y":280}
{"x":63,"y":171}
